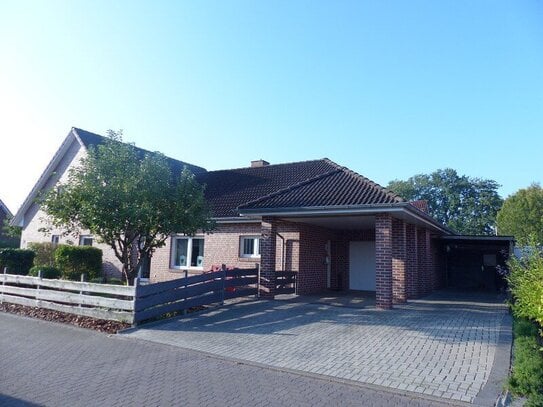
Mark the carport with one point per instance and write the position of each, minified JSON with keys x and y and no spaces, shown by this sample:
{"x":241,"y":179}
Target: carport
{"x":473,"y":262}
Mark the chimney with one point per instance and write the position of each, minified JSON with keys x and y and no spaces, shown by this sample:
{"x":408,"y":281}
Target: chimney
{"x":259,"y":163}
{"x":421,"y":204}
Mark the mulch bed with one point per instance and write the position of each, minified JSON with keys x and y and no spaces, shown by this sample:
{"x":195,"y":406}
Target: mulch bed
{"x":101,"y":325}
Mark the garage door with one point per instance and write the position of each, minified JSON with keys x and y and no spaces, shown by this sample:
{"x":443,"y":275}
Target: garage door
{"x":362,"y":266}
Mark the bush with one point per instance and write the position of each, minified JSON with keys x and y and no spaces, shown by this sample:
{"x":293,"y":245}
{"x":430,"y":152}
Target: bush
{"x":18,"y":261}
{"x":75,"y":260}
{"x":45,"y":253}
{"x":526,"y":283}
{"x":46,"y":272}
{"x":527,"y":375}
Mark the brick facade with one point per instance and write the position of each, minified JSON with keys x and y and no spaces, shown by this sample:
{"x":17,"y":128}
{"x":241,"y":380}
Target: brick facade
{"x":268,"y":257}
{"x":399,"y":263}
{"x":412,"y":261}
{"x":383,"y":261}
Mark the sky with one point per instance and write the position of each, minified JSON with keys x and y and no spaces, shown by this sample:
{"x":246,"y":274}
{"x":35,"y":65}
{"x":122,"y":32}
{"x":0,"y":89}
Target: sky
{"x":389,"y":89}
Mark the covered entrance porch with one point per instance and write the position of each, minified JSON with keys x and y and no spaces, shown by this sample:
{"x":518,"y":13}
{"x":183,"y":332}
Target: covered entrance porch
{"x":389,"y":255}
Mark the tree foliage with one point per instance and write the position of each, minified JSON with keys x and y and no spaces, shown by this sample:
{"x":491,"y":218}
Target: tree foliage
{"x":10,"y":236}
{"x":525,"y":280}
{"x":522,"y":216}
{"x":129,"y":199}
{"x":464,"y":204}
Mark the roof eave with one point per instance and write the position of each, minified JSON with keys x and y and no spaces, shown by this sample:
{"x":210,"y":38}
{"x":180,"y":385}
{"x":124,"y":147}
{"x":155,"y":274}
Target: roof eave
{"x":372,"y":209}
{"x":18,"y":219}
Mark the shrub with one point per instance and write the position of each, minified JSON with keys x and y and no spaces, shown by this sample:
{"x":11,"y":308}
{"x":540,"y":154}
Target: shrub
{"x":45,"y":253}
{"x":75,"y":260}
{"x":46,"y":272}
{"x":18,"y":261}
{"x":527,"y":373}
{"x":526,"y":283}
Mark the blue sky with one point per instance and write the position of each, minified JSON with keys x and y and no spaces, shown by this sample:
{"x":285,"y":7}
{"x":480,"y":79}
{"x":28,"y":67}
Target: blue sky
{"x":386,"y":88}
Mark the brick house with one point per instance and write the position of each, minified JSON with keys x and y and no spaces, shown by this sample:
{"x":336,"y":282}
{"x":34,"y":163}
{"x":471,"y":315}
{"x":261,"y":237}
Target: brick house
{"x":335,"y":228}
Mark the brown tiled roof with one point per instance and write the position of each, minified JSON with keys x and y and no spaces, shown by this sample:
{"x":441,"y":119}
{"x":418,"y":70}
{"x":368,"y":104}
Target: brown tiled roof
{"x":228,"y":189}
{"x":337,"y":187}
{"x":299,"y":184}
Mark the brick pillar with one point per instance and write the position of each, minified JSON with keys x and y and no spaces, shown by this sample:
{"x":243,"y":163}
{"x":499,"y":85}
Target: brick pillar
{"x":267,"y":257}
{"x":383,"y":261}
{"x":425,"y":261}
{"x":421,"y":249}
{"x":412,"y":261}
{"x":399,"y":272}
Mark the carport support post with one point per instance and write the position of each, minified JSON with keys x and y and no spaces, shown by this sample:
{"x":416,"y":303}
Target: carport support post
{"x":383,"y":261}
{"x":399,"y":266}
{"x":267,"y":257}
{"x":412,"y":261}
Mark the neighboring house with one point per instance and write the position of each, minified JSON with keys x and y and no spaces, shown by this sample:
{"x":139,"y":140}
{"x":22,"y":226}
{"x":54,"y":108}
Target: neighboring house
{"x":334,"y":227}
{"x":5,"y":213}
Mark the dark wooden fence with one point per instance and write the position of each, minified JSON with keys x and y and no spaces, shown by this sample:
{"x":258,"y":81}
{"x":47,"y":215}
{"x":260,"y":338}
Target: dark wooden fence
{"x":285,"y":282}
{"x":155,"y":300}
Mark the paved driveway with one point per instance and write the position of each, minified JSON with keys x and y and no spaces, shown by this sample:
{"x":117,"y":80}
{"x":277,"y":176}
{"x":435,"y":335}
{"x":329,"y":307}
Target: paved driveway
{"x":443,"y":345}
{"x":48,"y":364}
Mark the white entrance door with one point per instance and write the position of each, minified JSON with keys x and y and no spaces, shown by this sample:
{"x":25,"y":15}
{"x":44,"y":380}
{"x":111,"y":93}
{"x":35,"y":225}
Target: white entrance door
{"x":362,"y":266}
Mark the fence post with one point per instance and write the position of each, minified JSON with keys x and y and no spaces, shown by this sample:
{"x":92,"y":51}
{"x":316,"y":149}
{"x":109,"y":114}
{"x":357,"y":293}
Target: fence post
{"x":82,"y":279}
{"x":257,"y":280}
{"x":3,"y":284}
{"x":223,"y":278}
{"x":184,"y":311}
{"x":135,"y":300}
{"x":38,"y":288}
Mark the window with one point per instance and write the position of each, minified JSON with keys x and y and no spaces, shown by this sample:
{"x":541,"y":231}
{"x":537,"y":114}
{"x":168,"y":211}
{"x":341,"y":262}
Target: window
{"x":187,"y":252}
{"x":55,"y":239}
{"x":249,"y":246}
{"x":85,"y":240}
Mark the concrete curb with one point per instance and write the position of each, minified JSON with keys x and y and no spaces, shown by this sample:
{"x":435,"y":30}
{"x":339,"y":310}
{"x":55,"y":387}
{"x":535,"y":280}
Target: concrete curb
{"x":492,"y":392}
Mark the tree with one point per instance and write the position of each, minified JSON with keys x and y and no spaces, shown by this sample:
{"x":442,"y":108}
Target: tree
{"x":522,"y":216}
{"x":129,"y":199}
{"x":466,"y":205}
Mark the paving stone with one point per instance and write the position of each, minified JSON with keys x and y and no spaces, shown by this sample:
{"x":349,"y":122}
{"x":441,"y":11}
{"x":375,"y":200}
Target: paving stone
{"x":444,"y":342}
{"x":48,"y":364}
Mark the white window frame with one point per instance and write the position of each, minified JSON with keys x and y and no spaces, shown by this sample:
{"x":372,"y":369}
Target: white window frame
{"x":55,"y":239}
{"x":256,"y":246}
{"x":189,"y":252}
{"x":82,"y":239}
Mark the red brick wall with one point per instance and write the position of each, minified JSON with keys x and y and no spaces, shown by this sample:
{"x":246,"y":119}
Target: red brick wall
{"x":399,"y":272}
{"x":220,"y":247}
{"x":412,"y":261}
{"x":383,"y":261}
{"x":312,"y":274}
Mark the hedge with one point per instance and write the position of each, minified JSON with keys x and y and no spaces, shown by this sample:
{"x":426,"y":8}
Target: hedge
{"x":46,"y":272}
{"x":527,"y":370}
{"x":45,"y":253}
{"x":76,"y":260}
{"x":18,"y":261}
